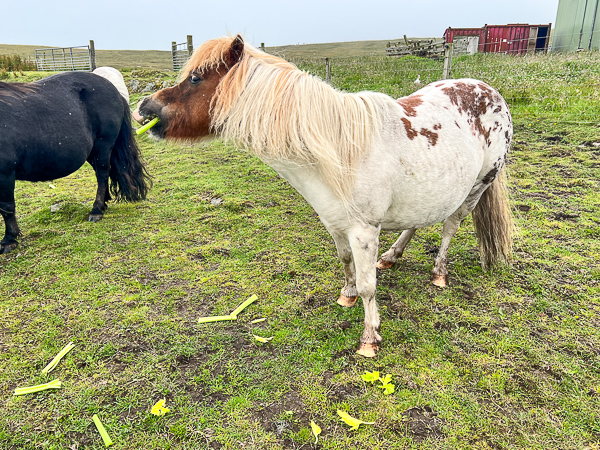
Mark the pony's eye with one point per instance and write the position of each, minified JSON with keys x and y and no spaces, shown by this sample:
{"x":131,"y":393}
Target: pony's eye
{"x":195,"y":79}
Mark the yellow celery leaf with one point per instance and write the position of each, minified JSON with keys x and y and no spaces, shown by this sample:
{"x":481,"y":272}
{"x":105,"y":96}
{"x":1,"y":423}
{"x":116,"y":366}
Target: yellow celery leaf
{"x":316,"y":430}
{"x":349,"y":420}
{"x":370,"y":377}
{"x":159,"y":408}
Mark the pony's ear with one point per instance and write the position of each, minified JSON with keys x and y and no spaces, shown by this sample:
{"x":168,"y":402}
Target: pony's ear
{"x":235,"y":51}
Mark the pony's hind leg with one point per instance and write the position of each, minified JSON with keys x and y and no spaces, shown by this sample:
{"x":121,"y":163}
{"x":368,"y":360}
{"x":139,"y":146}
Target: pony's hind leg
{"x":348,"y":293}
{"x":389,"y":258}
{"x":364,"y":241}
{"x":439,"y":274}
{"x":100,"y":162}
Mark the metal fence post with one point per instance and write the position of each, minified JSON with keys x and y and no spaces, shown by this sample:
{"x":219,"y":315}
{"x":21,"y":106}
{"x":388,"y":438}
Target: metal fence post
{"x":447,"y":61}
{"x":327,"y":70}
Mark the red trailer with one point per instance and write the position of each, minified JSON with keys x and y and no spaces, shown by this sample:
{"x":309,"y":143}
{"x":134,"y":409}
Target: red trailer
{"x":513,"y":38}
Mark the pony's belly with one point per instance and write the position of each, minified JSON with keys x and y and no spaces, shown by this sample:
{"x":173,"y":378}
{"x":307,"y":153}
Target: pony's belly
{"x":417,"y":205}
{"x":403,"y":219}
{"x":49,"y":168}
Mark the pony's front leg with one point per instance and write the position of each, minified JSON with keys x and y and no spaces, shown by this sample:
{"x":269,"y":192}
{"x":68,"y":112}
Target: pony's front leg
{"x":348,"y":293}
{"x":9,"y":242}
{"x":7,"y":210}
{"x":364,"y":241}
{"x":389,"y":258}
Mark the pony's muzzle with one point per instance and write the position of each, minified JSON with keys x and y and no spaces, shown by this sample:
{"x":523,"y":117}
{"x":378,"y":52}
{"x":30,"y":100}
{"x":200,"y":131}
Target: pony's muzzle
{"x":136,"y":114}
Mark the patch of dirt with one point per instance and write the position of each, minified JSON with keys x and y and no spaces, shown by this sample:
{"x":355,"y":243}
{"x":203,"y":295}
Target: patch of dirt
{"x":344,"y":325}
{"x":79,"y":439}
{"x":283,"y":416}
{"x":565,"y":216}
{"x":423,"y":423}
{"x":342,"y":392}
{"x":349,"y":353}
{"x":199,"y":394}
{"x":472,"y":326}
{"x":541,"y":195}
{"x":401,"y":311}
{"x":432,"y":250}
{"x":316,"y":301}
{"x":190,"y":363}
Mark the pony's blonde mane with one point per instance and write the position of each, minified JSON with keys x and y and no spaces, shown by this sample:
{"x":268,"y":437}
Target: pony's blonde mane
{"x":280,"y":112}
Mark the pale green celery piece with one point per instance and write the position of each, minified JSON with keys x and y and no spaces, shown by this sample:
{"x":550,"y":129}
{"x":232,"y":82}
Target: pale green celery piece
{"x":216,"y":318}
{"x":243,"y":306}
{"x":102,"y":430}
{"x":55,"y":384}
{"x":57,"y":358}
{"x":258,"y":320}
{"x":147,"y":126}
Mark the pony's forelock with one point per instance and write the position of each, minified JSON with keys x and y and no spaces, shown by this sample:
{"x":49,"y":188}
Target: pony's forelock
{"x":213,"y":53}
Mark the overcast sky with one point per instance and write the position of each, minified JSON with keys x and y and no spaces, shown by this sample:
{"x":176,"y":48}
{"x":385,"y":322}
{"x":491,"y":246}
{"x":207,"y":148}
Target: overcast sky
{"x":153,"y":25}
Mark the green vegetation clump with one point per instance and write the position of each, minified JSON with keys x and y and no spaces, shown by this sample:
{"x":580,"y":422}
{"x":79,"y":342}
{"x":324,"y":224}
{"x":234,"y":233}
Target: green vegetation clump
{"x":15,"y":62}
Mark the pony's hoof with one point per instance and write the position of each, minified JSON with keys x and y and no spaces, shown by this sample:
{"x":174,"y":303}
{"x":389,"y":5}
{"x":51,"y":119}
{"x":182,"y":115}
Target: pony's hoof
{"x":95,"y":217}
{"x":439,"y":280}
{"x":346,"y":302}
{"x":7,"y":248}
{"x":368,"y":350}
{"x":383,"y":264}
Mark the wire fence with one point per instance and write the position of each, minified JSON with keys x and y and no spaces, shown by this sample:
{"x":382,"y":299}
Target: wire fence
{"x":556,"y":86}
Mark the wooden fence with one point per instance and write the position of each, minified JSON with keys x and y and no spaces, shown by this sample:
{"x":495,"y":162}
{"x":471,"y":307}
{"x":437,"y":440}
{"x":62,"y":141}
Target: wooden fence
{"x":180,"y":53}
{"x":66,"y":59}
{"x":432,"y":48}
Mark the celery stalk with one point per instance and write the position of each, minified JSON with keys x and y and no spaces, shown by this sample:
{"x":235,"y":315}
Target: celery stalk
{"x":57,"y":358}
{"x":56,"y":384}
{"x":243,"y":306}
{"x":147,"y":126}
{"x":102,"y":430}
{"x":216,"y":318}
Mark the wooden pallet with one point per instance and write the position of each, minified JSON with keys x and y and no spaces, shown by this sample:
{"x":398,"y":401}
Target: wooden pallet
{"x":429,"y":48}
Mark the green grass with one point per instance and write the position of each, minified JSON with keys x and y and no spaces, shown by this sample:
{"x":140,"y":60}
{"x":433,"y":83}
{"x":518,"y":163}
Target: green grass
{"x":505,"y":359}
{"x":559,"y":87}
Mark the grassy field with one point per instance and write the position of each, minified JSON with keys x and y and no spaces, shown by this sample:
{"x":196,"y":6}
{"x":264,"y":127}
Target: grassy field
{"x":161,"y":59}
{"x":505,"y":359}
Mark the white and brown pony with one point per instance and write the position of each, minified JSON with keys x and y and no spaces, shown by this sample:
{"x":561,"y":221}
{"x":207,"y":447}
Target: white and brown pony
{"x":365,"y":162}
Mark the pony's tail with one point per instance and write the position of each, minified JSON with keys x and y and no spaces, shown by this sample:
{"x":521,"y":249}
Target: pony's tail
{"x":494,"y":225}
{"x":129,"y":179}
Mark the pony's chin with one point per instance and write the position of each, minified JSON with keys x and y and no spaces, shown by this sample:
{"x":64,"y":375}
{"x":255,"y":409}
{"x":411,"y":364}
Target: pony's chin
{"x":157,"y":135}
{"x":190,"y":140}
